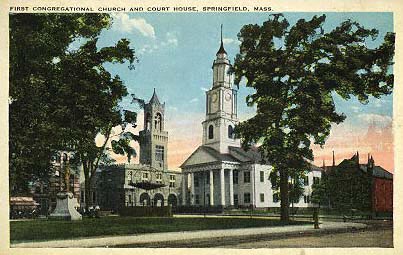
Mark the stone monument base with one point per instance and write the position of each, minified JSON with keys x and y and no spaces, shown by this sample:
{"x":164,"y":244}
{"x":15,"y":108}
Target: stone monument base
{"x":65,"y":207}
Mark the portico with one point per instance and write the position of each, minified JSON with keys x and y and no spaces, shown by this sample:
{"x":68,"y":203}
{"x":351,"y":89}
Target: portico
{"x":209,"y":185}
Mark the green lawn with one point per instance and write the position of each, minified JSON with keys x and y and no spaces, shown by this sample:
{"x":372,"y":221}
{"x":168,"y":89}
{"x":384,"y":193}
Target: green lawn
{"x":36,"y":230}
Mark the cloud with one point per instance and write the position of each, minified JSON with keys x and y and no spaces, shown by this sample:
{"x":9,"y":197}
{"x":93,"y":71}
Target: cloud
{"x":381,"y":120}
{"x":355,"y":109}
{"x":170,"y":40}
{"x":124,"y":23}
{"x":204,"y":89}
{"x":346,"y":139}
{"x":378,"y":102}
{"x":194,"y":100}
{"x":172,"y":108}
{"x":230,"y":41}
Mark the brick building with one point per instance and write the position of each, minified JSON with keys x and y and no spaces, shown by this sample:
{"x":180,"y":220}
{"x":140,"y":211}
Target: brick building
{"x":360,"y":186}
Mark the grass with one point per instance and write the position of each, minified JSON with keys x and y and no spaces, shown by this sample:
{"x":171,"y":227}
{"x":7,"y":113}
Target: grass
{"x":38,"y":230}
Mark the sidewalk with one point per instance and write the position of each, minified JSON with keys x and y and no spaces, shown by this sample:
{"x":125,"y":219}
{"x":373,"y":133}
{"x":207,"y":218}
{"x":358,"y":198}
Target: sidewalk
{"x":144,"y":239}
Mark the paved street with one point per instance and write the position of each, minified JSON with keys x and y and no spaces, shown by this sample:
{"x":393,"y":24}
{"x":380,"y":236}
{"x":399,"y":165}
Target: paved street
{"x":366,"y":238}
{"x":376,"y":234}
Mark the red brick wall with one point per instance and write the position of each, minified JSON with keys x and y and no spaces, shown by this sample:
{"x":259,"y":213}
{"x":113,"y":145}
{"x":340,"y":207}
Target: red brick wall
{"x":382,"y":195}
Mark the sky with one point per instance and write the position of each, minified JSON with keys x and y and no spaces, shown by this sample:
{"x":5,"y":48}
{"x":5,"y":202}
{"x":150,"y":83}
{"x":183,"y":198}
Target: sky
{"x":176,"y":51}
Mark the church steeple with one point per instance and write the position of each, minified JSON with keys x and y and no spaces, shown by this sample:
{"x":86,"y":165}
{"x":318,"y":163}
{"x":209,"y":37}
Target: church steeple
{"x":221,"y":66}
{"x":221,"y":106}
{"x":221,"y":50}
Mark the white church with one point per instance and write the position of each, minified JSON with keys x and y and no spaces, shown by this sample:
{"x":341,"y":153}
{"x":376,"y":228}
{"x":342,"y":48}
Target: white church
{"x":220,"y":172}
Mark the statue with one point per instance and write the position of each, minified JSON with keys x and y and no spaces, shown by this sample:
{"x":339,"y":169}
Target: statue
{"x":67,"y":176}
{"x":65,"y":199}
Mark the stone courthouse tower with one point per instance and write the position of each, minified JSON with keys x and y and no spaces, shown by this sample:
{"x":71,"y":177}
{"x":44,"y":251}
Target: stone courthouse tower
{"x":154,"y":138}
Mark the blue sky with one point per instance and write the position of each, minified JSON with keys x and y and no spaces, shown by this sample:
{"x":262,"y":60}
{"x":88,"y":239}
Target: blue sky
{"x":176,"y":53}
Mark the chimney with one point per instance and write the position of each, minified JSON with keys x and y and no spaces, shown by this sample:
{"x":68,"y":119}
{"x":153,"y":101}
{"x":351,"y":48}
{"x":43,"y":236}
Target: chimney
{"x":334,"y":162}
{"x":370,"y":165}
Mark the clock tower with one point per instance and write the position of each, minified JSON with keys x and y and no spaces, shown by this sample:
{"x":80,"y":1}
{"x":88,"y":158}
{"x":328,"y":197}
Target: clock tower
{"x":221,"y":106}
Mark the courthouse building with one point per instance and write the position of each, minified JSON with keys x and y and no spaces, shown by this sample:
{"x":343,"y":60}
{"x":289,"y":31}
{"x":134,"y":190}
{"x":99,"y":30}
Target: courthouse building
{"x":149,"y":183}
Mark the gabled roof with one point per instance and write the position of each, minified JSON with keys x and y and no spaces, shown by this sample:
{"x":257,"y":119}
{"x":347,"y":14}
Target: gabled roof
{"x":316,"y":168}
{"x":251,"y":155}
{"x":377,"y":171}
{"x":207,"y":155}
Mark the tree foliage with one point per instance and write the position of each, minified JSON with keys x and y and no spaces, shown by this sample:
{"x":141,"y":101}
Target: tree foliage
{"x":295,"y":185}
{"x":348,"y":187}
{"x":88,"y":103}
{"x":60,"y":99}
{"x":320,"y":192}
{"x":35,"y":41}
{"x":294,"y":70}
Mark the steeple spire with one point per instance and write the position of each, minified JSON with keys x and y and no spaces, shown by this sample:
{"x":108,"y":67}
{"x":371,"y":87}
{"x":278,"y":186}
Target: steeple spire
{"x":221,"y":50}
{"x":221,"y":33}
{"x":154,"y":99}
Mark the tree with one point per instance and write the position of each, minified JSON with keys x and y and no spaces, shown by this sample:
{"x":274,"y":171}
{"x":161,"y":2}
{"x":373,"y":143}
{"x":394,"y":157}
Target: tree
{"x":319,"y":193}
{"x":348,"y":187}
{"x":295,"y":185}
{"x":70,"y":97}
{"x":294,"y":72}
{"x":36,"y":40}
{"x":88,"y":104}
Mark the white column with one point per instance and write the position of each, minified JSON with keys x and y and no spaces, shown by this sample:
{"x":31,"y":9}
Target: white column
{"x":231,"y":187}
{"x":211,"y":187}
{"x":253,"y":198}
{"x":192,"y":188}
{"x":222,"y":187}
{"x":184,"y":188}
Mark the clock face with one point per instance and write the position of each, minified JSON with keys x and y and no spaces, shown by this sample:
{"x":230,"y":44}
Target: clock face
{"x":228,"y":96}
{"x":214,"y":97}
{"x":214,"y":102}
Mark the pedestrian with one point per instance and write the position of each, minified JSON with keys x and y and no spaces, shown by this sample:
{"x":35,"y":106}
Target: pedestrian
{"x":97,"y":209}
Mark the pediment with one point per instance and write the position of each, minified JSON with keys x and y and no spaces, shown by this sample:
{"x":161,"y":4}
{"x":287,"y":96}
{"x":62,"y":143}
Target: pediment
{"x":199,"y":156}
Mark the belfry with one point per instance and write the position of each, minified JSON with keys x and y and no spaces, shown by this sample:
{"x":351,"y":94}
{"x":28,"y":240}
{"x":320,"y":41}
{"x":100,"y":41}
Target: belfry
{"x":221,"y":106}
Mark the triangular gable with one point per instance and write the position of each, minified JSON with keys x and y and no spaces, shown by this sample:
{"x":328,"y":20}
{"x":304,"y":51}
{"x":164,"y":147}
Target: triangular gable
{"x":199,"y":156}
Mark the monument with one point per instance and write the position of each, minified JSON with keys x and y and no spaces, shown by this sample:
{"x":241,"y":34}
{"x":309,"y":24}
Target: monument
{"x":65,"y":202}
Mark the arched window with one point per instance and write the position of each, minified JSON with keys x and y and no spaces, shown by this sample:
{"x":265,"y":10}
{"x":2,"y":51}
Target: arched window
{"x":148,"y":121}
{"x":210,"y":132}
{"x":230,"y":132}
{"x":158,"y":121}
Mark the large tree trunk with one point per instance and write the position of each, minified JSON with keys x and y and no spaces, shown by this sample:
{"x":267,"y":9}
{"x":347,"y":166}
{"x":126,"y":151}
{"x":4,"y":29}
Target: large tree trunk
{"x":88,"y":201}
{"x":285,"y":215}
{"x":87,"y":183}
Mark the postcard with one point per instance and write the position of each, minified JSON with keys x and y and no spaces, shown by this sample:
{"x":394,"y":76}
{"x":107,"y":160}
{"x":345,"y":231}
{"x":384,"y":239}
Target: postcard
{"x":201,"y":126}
